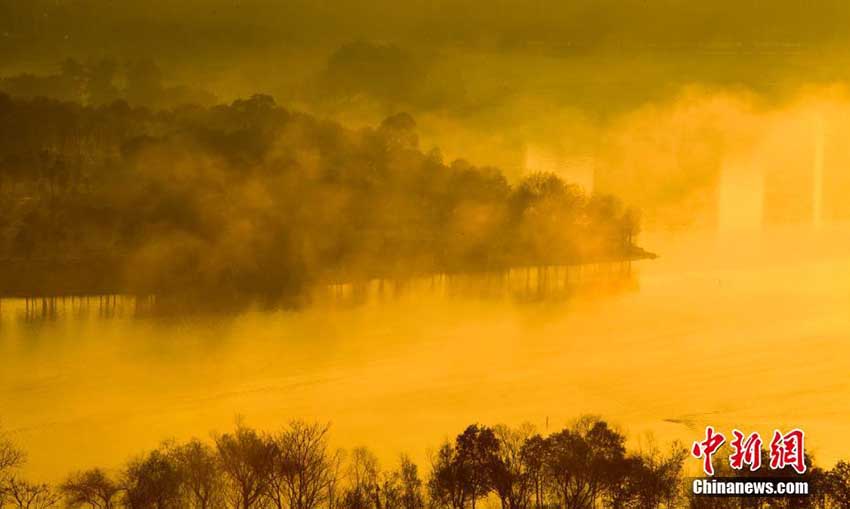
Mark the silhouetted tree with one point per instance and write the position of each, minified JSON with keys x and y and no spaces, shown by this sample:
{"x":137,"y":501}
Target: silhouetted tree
{"x":411,"y":496}
{"x":153,"y":482}
{"x":364,"y":490}
{"x":200,"y":473}
{"x":649,"y":481}
{"x":335,"y":477}
{"x":247,"y":459}
{"x":26,"y":495}
{"x":446,"y":487}
{"x":584,"y":462}
{"x":11,"y":456}
{"x":510,"y":476}
{"x":245,"y":200}
{"x":534,"y":452}
{"x":401,"y":488}
{"x":838,"y":483}
{"x":90,"y":489}
{"x":477,"y":453}
{"x":302,"y":470}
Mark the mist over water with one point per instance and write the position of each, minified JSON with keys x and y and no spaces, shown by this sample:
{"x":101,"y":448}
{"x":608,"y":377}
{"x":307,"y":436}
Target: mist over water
{"x":723,"y":123}
{"x":732,"y":329}
{"x":741,"y":322}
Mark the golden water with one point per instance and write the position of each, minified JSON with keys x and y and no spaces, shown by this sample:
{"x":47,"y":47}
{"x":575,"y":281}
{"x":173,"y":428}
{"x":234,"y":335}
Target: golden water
{"x":750,"y":330}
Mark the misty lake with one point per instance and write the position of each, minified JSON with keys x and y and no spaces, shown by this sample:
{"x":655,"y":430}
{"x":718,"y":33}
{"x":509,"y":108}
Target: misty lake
{"x":746,"y":330}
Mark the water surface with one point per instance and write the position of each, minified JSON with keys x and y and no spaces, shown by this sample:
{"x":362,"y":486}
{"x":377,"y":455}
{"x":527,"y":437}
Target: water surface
{"x":747,"y":329}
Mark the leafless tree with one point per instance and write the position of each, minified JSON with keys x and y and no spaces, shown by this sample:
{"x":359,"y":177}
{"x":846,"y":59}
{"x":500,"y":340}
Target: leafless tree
{"x":446,"y":484}
{"x":201,"y":473}
{"x":152,"y":481}
{"x":247,"y":459}
{"x":363,"y":490}
{"x":509,"y":473}
{"x":11,"y":456}
{"x":302,"y":469}
{"x":402,"y":488}
{"x":92,"y":489}
{"x":334,"y":478}
{"x":26,"y":495}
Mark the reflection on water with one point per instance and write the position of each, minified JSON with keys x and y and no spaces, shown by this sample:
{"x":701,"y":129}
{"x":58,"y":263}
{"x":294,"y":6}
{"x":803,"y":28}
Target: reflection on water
{"x":748,"y":331}
{"x":520,"y":285}
{"x":53,"y":308}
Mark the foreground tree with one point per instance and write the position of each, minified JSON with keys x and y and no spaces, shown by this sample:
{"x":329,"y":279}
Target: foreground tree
{"x":12,"y":489}
{"x":26,"y":495}
{"x":585,"y":462}
{"x":302,"y":471}
{"x":92,"y":489}
{"x":201,"y":475}
{"x":477,"y":453}
{"x":838,"y":483}
{"x":463,"y":473}
{"x":363,"y":490}
{"x":401,"y":488}
{"x":650,"y":480}
{"x":153,"y":482}
{"x":534,"y":452}
{"x":510,"y":475}
{"x":335,"y":479}
{"x":11,"y":457}
{"x":446,"y":485}
{"x":411,"y":496}
{"x":247,"y":460}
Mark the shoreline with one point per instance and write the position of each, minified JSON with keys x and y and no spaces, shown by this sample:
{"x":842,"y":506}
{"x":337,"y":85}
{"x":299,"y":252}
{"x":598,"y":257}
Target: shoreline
{"x":18,"y":279}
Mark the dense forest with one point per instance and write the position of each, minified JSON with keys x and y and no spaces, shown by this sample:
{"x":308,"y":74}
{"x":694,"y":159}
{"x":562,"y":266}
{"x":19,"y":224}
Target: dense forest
{"x":253,"y":199}
{"x":519,"y":85}
{"x":39,"y":26}
{"x":276,"y":44}
{"x":583,"y":466}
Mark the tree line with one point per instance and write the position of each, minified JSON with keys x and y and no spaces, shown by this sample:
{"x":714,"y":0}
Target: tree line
{"x":250,"y":198}
{"x":139,"y":81}
{"x":583,"y":466}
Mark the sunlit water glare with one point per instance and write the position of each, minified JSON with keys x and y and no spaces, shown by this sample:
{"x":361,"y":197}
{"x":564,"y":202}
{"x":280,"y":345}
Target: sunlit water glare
{"x":747,"y":330}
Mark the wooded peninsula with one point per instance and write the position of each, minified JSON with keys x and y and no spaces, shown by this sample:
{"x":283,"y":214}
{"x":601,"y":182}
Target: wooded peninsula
{"x":252,"y":199}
